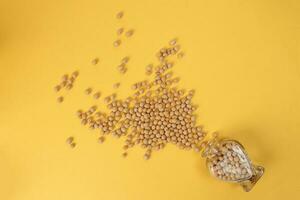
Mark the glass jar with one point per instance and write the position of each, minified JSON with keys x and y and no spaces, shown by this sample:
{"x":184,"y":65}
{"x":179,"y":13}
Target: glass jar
{"x":228,"y":161}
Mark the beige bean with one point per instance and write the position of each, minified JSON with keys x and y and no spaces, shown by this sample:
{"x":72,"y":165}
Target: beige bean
{"x":60,"y":99}
{"x":129,"y":33}
{"x":120,"y":15}
{"x":117,"y":43}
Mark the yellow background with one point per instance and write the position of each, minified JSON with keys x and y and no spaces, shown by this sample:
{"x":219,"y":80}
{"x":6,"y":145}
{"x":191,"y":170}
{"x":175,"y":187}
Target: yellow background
{"x":242,"y":57}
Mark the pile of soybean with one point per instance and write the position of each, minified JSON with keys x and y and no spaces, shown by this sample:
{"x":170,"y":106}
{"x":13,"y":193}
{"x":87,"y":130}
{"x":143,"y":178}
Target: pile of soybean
{"x":157,"y":114}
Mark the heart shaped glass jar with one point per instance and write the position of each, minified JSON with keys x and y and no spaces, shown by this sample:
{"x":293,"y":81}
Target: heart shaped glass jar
{"x":227,"y":160}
